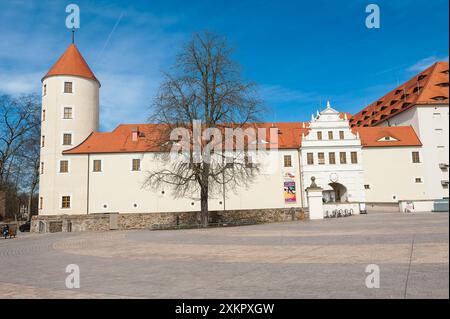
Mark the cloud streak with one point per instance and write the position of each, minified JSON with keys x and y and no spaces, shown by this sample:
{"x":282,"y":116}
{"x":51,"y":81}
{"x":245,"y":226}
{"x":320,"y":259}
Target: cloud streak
{"x":424,"y":63}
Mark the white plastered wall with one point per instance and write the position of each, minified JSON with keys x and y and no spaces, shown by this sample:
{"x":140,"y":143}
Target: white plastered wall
{"x":84,"y":102}
{"x":390,"y":175}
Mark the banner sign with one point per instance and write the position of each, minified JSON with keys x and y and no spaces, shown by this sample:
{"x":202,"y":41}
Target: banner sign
{"x":290,"y":196}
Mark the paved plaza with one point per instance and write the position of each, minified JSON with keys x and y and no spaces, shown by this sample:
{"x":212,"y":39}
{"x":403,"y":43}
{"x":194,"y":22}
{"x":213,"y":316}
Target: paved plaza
{"x":311,"y":259}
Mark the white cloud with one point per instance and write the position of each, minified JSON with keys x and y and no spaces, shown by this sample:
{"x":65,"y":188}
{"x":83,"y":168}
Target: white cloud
{"x":15,"y":84}
{"x":280,"y":94}
{"x":423,"y":64}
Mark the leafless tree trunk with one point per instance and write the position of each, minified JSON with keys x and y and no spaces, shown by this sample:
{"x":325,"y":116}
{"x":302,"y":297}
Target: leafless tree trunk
{"x":205,"y":85}
{"x":19,"y":146}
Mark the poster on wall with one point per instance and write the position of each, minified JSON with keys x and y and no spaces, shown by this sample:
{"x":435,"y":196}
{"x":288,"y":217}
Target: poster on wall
{"x":290,"y":196}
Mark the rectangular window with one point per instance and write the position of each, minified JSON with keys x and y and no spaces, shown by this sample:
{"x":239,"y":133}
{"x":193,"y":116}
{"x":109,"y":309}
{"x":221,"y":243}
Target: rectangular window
{"x":41,"y":203}
{"x":42,"y":168}
{"x":343,"y":157}
{"x":418,"y":180}
{"x":67,"y":139}
{"x":45,"y":89}
{"x":330,"y":135}
{"x":229,"y":162}
{"x":65,"y":202}
{"x":68,"y":87}
{"x":341,"y":135}
{"x":321,"y":157}
{"x":43,"y":115}
{"x":310,"y":158}
{"x":332,"y":158}
{"x":354,"y":156}
{"x":43,"y":141}
{"x":64,"y":166}
{"x":136,"y":165}
{"x":319,"y":136}
{"x":287,"y":161}
{"x":248,"y":161}
{"x":366,"y":186}
{"x":97,"y":165}
{"x":415,"y":157}
{"x":67,"y":113}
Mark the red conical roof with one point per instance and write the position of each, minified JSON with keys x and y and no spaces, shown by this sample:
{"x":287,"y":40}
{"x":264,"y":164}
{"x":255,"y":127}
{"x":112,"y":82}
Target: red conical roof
{"x":72,"y":63}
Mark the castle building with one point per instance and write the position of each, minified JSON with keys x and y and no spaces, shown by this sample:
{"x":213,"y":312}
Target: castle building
{"x":422,"y":103}
{"x":391,"y":152}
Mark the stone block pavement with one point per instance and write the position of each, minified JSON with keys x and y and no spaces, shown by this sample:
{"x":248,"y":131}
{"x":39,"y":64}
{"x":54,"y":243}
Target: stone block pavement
{"x":310,"y":259}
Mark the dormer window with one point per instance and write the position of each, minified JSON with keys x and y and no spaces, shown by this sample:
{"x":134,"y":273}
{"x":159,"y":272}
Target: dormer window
{"x":443,"y":85}
{"x":68,"y":87}
{"x":393,"y":102}
{"x":398,"y":92}
{"x":394,"y":111}
{"x":417,"y":89}
{"x":445,"y":72}
{"x":387,"y":138}
{"x":421,"y":77}
{"x":384,"y":107}
{"x":439,"y":98}
{"x":405,"y":105}
{"x":379,"y":102}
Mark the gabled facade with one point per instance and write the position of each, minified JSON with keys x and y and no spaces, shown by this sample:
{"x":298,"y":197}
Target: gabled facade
{"x":332,"y":154}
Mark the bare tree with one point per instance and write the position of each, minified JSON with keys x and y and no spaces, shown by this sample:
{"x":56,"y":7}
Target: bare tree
{"x":204,"y":86}
{"x":19,"y":146}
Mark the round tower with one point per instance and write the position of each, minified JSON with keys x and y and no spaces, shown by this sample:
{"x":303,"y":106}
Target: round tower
{"x":70,"y":113}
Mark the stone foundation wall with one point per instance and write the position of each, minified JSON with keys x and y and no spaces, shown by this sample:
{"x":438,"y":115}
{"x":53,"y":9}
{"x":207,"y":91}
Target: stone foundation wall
{"x":103,"y":222}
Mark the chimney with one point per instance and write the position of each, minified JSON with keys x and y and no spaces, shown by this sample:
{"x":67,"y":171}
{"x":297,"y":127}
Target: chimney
{"x":135,"y":134}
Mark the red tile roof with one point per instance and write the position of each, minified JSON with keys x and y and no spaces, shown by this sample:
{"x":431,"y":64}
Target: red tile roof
{"x":374,"y":136}
{"x":120,"y":140}
{"x":71,"y":63}
{"x":289,"y":137}
{"x":428,"y":87}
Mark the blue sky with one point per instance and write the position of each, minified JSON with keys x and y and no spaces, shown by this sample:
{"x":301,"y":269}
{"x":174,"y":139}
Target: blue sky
{"x":299,"y":52}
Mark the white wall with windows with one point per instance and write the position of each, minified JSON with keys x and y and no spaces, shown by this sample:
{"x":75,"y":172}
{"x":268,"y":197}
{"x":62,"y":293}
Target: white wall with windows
{"x":431,"y":123}
{"x":391,"y":175}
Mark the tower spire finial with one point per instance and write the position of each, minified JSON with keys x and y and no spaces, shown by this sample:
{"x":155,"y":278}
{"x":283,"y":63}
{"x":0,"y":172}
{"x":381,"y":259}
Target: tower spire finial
{"x":328,"y":104}
{"x":73,"y":35}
